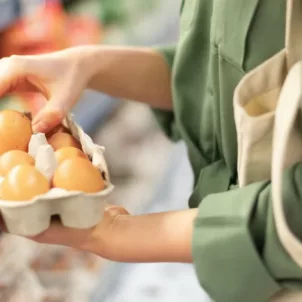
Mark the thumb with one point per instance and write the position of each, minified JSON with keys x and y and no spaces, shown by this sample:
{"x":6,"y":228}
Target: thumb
{"x":57,"y":107}
{"x":112,"y":211}
{"x":49,"y":117}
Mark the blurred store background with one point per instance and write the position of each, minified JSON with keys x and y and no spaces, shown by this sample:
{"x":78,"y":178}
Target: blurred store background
{"x":150,"y":173}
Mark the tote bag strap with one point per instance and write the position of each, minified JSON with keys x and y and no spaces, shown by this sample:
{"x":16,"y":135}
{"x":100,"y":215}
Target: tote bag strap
{"x":293,"y":31}
{"x":286,"y":145}
{"x":286,"y":141}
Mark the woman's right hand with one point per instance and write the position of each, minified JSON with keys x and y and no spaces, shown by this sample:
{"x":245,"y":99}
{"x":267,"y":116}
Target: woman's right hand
{"x":60,"y":76}
{"x":139,"y":74}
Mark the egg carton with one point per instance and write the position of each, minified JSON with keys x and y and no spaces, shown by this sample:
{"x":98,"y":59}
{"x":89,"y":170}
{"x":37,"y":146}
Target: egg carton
{"x":75,"y":209}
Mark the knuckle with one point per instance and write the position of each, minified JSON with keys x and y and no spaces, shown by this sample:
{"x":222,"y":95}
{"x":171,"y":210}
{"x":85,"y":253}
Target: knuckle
{"x":55,"y":113}
{"x":5,"y":64}
{"x":14,"y":63}
{"x":114,"y":211}
{"x":113,"y":214}
{"x":15,"y":60}
{"x":20,"y":63}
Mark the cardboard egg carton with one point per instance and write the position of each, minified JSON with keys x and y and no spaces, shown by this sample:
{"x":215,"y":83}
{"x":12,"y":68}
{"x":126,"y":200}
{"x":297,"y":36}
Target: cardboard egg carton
{"x":76,"y":209}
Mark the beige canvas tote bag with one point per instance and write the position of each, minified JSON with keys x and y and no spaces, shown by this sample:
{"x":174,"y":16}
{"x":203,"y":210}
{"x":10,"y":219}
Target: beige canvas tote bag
{"x":256,"y":99}
{"x":267,"y":107}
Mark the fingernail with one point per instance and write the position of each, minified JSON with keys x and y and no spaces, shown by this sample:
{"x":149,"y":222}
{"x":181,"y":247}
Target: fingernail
{"x":39,"y":126}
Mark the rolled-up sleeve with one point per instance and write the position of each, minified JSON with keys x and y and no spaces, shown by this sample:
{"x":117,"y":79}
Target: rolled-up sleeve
{"x":236,"y":250}
{"x":165,"y":118}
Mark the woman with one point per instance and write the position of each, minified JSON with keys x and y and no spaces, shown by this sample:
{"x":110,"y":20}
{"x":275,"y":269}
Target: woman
{"x":228,"y":233}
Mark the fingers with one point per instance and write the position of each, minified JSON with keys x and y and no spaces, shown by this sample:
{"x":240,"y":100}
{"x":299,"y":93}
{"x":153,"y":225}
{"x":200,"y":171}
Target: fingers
{"x":96,"y":240}
{"x":46,"y":119}
{"x":56,"y":234}
{"x":59,"y":235}
{"x":59,"y":104}
{"x":80,"y":238}
{"x":7,"y":70}
{"x":54,"y":77}
{"x":25,"y":71}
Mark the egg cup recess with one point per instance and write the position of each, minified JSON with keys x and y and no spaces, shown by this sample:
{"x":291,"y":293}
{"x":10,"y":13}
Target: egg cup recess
{"x":76,"y":209}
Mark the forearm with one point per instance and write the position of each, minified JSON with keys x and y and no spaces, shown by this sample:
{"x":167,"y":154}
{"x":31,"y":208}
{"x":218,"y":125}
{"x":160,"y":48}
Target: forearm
{"x":138,"y":74}
{"x":162,"y":237}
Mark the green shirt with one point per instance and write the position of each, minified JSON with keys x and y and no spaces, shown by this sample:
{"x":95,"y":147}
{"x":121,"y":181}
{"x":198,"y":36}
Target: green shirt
{"x":236,"y":251}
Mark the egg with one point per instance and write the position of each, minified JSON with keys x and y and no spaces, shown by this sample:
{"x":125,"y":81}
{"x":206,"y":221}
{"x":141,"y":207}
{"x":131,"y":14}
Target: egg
{"x":58,"y":129}
{"x":78,"y":174}
{"x":23,"y":183}
{"x":60,"y":140}
{"x":68,"y":152}
{"x":15,"y":131}
{"x":13,"y":158}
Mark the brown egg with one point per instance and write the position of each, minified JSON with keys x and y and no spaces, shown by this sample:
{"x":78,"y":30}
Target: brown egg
{"x":60,"y":140}
{"x":13,"y":158}
{"x":69,"y":152}
{"x":78,"y":174}
{"x":15,"y":131}
{"x":23,"y":183}
{"x":58,"y":129}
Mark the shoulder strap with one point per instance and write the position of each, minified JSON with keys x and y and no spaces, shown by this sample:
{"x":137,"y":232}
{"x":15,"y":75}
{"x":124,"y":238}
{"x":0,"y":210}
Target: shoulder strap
{"x":287,"y":139}
{"x":287,"y":150}
{"x":293,"y":39}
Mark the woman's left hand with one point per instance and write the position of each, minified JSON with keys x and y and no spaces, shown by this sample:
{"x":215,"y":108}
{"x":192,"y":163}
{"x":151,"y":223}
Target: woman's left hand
{"x":158,"y":237}
{"x":96,"y":240}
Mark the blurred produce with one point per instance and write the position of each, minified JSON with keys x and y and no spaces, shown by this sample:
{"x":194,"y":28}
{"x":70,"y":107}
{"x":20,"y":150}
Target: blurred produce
{"x":41,"y":31}
{"x":82,"y":30}
{"x":113,"y":12}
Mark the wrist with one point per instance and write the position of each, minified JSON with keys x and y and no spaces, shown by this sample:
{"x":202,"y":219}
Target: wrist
{"x":87,"y":61}
{"x":93,"y":64}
